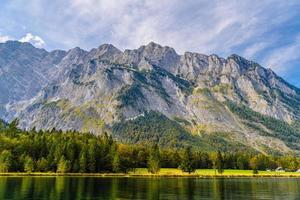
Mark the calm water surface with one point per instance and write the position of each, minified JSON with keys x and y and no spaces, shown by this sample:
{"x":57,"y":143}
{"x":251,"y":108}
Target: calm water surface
{"x":148,"y":188}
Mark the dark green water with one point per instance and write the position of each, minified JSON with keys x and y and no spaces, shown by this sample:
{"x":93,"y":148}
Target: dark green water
{"x":148,"y":188}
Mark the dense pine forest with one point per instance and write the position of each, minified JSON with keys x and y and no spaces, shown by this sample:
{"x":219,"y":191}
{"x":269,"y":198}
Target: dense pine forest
{"x":71,"y":151}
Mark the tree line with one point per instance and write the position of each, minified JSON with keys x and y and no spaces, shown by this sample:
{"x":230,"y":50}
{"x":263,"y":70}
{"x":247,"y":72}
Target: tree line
{"x":72,"y":151}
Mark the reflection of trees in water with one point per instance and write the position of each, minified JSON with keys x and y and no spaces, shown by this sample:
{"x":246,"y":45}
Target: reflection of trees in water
{"x":26,"y":186}
{"x":191,"y":188}
{"x":114,"y":188}
{"x":3,"y":183}
{"x":215,"y":189}
{"x":60,"y":186}
{"x":79,"y":186}
{"x":147,"y":188}
{"x":153,"y":189}
{"x":170,"y":188}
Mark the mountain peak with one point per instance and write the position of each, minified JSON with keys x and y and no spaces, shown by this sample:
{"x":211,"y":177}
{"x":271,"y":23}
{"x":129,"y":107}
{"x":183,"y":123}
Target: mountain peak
{"x":77,"y":51}
{"x":237,"y":58}
{"x":153,"y":45}
{"x":106,"y":51}
{"x":16,"y":43}
{"x":13,"y":45}
{"x":106,"y":46}
{"x":242,"y":63}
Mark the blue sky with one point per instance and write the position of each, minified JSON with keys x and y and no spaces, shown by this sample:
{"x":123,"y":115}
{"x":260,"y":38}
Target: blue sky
{"x":266,"y":31}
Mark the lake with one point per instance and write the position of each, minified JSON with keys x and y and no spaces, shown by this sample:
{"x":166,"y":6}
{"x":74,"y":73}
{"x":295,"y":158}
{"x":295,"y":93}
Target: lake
{"x":148,"y":188}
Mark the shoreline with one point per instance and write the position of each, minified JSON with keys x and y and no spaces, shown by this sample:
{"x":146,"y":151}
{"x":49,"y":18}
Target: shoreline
{"x":122,"y":175}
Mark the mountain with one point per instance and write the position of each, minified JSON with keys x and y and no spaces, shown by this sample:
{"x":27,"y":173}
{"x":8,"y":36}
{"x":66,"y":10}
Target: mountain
{"x":154,"y":94}
{"x":24,"y":71}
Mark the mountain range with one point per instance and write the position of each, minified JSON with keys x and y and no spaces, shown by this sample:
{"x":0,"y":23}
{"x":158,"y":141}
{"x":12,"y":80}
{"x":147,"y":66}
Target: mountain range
{"x":151,"y":94}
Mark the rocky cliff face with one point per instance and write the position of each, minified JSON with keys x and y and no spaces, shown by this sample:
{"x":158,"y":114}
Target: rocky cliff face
{"x":93,"y":90}
{"x":24,"y":71}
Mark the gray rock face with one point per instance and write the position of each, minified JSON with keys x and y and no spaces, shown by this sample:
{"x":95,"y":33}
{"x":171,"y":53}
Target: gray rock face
{"x":24,"y":71}
{"x":91,"y":90}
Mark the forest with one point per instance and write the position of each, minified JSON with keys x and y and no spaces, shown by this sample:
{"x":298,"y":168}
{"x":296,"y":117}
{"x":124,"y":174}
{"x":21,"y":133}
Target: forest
{"x":72,"y":151}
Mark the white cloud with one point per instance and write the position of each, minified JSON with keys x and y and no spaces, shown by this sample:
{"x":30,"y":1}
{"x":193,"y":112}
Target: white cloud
{"x":206,"y":26}
{"x":280,"y":58}
{"x":255,"y":48}
{"x":224,"y":27}
{"x":33,"y":39}
{"x":4,"y":38}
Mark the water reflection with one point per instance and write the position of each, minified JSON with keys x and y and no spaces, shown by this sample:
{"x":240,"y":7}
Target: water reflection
{"x":147,"y":188}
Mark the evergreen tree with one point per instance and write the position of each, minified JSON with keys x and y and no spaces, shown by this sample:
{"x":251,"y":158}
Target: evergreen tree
{"x":63,"y":166}
{"x":213,"y":158}
{"x":58,"y":152}
{"x":142,"y":158}
{"x":13,"y":127}
{"x":187,"y":161}
{"x":71,"y":151}
{"x":76,"y":167}
{"x":242,"y":162}
{"x":125,"y":158}
{"x":220,"y":163}
{"x":6,"y":161}
{"x":116,"y":163}
{"x":83,"y":160}
{"x":254,"y":164}
{"x":154,"y":160}
{"x":42,"y":165}
{"x":92,"y":157}
{"x":2,"y":125}
{"x":28,"y":164}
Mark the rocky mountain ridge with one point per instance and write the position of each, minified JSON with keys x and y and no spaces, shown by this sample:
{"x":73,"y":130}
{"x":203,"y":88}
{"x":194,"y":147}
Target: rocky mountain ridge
{"x":97,"y":89}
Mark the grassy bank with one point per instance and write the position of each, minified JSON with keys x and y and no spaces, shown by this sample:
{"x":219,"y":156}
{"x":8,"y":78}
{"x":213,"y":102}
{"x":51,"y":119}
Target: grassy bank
{"x":167,"y":172}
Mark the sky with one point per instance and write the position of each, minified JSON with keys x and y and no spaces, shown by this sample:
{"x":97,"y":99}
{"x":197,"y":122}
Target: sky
{"x":265,"y":31}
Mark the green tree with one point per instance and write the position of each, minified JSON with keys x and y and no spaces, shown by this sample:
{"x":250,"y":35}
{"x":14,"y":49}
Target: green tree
{"x":262,"y":162}
{"x":13,"y":127}
{"x":154,"y":160}
{"x":2,"y":125}
{"x":255,"y":171}
{"x":58,"y":151}
{"x":83,"y":160}
{"x":63,"y":166}
{"x":92,"y":156}
{"x":42,"y":165}
{"x":125,"y":158}
{"x":242,"y":162}
{"x":6,"y":161}
{"x":254,"y":164}
{"x":220,"y":163}
{"x":289,"y":163}
{"x":76,"y":166}
{"x":28,"y":164}
{"x":71,"y":149}
{"x":213,"y":158}
{"x":116,"y":163}
{"x":187,"y":161}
